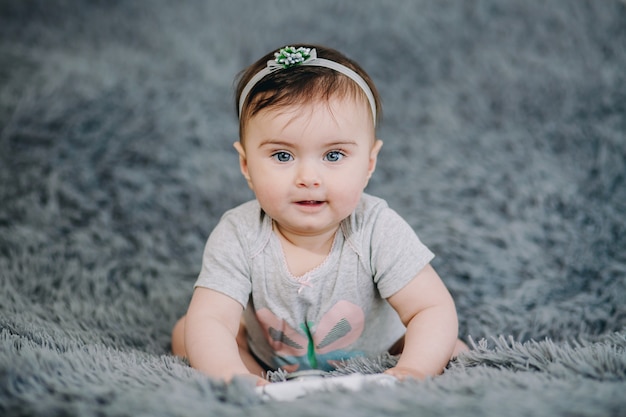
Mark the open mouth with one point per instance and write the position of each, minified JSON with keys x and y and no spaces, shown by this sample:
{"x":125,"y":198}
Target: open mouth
{"x":310,"y":203}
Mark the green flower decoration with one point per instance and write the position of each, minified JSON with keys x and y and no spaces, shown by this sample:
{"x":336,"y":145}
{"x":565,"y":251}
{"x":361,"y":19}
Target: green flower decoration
{"x":290,"y":56}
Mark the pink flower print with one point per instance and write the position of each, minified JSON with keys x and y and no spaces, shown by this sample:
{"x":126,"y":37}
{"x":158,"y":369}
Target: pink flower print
{"x":314,"y":346}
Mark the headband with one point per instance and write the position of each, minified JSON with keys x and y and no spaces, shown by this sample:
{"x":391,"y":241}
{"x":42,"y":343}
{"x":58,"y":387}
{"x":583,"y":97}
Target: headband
{"x":289,"y":57}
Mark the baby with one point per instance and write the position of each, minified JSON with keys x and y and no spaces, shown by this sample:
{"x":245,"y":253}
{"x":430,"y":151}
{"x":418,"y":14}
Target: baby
{"x":313,"y":271}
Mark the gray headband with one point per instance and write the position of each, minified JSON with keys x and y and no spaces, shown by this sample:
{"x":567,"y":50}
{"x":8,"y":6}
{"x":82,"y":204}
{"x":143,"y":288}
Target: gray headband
{"x":289,"y":57}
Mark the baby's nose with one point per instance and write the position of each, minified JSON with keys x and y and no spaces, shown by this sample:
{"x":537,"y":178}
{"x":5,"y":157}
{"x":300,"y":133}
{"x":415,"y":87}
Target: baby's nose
{"x":308,"y":175}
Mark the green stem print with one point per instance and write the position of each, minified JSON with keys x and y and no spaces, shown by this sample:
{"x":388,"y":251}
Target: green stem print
{"x":311,"y":345}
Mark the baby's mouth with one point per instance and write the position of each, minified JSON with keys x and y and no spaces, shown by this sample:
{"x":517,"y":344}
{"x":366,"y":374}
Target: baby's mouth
{"x":309,"y":203}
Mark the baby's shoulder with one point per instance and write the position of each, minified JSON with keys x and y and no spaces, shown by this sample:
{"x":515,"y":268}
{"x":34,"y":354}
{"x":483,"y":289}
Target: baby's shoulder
{"x":246,"y":212}
{"x":370,"y":204}
{"x":247,"y":221}
{"x":366,"y":213}
{"x":372,"y":217}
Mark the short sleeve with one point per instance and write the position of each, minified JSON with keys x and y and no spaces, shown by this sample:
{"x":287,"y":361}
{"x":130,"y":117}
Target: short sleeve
{"x":396,"y":253}
{"x":225,"y":266}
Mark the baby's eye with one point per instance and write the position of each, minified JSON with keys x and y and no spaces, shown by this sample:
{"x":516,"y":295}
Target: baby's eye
{"x":334,"y":156}
{"x":282,"y":156}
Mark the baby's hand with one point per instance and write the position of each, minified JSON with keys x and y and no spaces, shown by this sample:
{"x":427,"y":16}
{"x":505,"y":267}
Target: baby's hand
{"x":403,"y":372}
{"x":250,"y":379}
{"x":260,"y":382}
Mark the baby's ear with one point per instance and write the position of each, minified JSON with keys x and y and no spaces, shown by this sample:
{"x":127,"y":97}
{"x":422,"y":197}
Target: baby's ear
{"x":243,"y":162}
{"x":374,"y":157}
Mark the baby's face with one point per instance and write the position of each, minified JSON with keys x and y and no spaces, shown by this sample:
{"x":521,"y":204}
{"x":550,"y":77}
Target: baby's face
{"x":308,"y":164}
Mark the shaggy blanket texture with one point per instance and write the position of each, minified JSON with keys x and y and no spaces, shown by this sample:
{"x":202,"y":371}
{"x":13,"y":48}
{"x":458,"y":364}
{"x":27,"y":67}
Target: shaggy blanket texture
{"x":505,"y":148}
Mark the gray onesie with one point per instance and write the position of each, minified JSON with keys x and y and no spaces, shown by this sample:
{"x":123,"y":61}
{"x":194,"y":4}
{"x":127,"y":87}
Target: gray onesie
{"x":333,"y":312}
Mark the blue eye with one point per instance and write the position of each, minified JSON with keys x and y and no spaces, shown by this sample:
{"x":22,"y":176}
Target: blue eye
{"x":282,"y":156}
{"x":334,"y":156}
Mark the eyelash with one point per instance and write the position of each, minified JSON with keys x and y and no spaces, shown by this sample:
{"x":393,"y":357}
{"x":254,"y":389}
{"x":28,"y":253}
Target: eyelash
{"x":336,"y":152}
{"x":281,"y":154}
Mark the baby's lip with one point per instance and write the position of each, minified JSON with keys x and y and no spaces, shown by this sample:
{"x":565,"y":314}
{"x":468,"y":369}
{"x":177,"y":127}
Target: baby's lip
{"x":309,"y":202}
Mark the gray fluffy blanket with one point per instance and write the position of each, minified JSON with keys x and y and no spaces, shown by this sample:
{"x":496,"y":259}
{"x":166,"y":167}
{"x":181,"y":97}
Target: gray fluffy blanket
{"x":505,"y":149}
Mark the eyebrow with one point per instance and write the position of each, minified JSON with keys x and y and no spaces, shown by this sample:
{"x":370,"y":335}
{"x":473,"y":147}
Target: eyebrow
{"x":272,"y":142}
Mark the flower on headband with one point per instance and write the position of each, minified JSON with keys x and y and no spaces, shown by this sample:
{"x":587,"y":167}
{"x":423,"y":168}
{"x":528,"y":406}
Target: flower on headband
{"x":290,"y":56}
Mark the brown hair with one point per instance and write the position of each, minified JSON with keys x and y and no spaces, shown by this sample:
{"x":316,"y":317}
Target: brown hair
{"x":299,"y":84}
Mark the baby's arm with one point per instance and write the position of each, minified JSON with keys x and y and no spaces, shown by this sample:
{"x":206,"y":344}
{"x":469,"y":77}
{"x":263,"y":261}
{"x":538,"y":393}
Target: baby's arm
{"x":211,"y":327}
{"x":427,"y":310}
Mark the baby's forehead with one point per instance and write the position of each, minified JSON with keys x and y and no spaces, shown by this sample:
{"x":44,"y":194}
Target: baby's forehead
{"x":338,"y":119}
{"x":336,"y":104}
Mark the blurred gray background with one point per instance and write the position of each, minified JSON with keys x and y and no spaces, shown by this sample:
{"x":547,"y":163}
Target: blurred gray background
{"x":504,"y":125}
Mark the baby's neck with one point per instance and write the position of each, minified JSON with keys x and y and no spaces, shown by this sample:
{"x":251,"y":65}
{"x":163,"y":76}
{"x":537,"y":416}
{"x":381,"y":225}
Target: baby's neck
{"x":316,"y":243}
{"x":304,"y":253}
